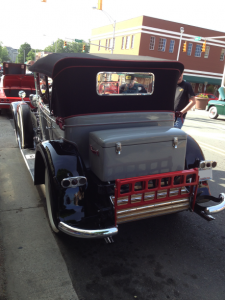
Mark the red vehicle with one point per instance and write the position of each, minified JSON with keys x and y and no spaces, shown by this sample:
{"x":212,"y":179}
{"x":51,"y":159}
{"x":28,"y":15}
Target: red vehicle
{"x":13,"y":80}
{"x":109,"y":87}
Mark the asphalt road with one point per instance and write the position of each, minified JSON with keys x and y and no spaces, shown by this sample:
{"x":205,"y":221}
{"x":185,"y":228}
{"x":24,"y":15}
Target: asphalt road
{"x":178,"y":256}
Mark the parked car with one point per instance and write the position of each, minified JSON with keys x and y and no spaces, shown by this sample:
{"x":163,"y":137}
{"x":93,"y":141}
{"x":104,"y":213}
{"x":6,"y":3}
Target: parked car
{"x":216,"y":108}
{"x":14,"y":79}
{"x":107,"y":159}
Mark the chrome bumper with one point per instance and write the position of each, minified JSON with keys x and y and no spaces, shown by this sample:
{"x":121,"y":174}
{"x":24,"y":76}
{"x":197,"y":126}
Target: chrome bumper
{"x":216,"y":208}
{"x":8,"y":103}
{"x":87,"y":234}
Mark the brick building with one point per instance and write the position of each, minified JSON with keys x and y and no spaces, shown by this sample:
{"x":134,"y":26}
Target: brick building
{"x":153,"y":37}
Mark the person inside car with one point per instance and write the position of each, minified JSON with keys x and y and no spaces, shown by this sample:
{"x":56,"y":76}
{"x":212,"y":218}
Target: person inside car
{"x":131,"y":87}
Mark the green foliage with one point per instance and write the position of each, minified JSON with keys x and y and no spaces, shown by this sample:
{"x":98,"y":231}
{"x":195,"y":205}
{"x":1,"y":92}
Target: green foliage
{"x":4,"y":55}
{"x":30,"y":55}
{"x":72,"y":47}
{"x":23,"y":48}
{"x":210,"y":89}
{"x":202,"y":96}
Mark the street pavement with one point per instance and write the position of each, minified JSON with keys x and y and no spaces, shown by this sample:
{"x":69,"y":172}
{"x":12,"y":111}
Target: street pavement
{"x":179,"y":256}
{"x":31,"y":265}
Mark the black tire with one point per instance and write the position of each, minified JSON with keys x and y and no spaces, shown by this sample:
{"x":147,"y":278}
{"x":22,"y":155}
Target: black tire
{"x":213,"y":114}
{"x":24,"y":127}
{"x":50,"y":201}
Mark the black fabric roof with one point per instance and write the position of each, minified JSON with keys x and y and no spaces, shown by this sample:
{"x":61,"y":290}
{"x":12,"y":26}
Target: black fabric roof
{"x":74,"y":82}
{"x":51,"y":64}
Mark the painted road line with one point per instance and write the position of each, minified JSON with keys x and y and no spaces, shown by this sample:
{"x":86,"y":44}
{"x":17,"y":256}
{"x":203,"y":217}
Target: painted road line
{"x":223,"y":154}
{"x":212,"y":147}
{"x":217,"y":126}
{"x":212,"y":135}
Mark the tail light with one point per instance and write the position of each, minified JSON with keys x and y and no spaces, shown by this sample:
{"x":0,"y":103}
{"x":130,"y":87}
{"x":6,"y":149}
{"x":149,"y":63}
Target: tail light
{"x":204,"y":164}
{"x":73,"y":182}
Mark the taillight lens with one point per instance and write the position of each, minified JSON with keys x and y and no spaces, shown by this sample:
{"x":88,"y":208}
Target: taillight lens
{"x":73,"y":181}
{"x":214,"y":164}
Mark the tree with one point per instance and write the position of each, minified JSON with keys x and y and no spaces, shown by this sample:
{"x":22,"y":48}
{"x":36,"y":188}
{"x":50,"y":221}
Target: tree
{"x":24,"y":49}
{"x":72,"y":47}
{"x":4,"y":54}
{"x":210,"y":89}
{"x":30,"y":55}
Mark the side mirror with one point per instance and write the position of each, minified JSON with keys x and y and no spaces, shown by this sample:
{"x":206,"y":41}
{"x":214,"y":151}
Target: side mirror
{"x":34,"y":100}
{"x":22,"y":94}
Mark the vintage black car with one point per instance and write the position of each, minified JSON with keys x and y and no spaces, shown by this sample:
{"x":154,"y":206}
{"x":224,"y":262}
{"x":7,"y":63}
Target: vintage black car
{"x":110,"y":155}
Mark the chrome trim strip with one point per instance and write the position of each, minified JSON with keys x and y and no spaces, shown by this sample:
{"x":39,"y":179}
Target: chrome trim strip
{"x":118,"y":123}
{"x":87,"y":234}
{"x":8,"y":103}
{"x":216,"y":208}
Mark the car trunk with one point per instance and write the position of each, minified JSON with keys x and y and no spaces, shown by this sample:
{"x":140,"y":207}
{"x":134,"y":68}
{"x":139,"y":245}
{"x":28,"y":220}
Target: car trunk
{"x":15,"y":92}
{"x":12,"y":84}
{"x":132,"y":152}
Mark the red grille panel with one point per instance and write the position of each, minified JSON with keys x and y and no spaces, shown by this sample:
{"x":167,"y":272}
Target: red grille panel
{"x":155,"y":189}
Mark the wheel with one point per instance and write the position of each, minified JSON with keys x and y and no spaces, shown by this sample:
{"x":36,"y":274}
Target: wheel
{"x":24,"y":127}
{"x":213,"y":112}
{"x":50,"y":195}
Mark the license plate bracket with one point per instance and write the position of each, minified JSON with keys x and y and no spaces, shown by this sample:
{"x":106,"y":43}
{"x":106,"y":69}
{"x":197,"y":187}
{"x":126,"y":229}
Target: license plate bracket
{"x":205,"y":174}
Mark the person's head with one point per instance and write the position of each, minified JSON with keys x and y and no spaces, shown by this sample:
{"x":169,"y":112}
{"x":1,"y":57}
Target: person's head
{"x":180,"y":79}
{"x":129,"y":79}
{"x":43,"y":81}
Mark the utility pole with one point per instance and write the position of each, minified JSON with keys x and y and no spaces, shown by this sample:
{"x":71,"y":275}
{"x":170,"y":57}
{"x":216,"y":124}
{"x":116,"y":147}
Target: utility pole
{"x":181,"y":32}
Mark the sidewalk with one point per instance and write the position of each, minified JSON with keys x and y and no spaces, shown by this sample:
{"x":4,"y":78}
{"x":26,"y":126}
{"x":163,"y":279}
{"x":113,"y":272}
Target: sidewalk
{"x":31,"y":265}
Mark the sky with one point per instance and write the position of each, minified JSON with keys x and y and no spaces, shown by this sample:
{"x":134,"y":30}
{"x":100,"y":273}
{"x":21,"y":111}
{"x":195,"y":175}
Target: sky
{"x":39,"y":24}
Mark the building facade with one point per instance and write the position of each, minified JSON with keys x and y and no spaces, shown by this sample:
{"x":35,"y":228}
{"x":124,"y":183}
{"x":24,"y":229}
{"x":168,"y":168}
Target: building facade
{"x":153,"y":37}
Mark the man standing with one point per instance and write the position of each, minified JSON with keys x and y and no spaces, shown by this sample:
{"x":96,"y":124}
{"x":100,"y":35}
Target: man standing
{"x":184,"y":100}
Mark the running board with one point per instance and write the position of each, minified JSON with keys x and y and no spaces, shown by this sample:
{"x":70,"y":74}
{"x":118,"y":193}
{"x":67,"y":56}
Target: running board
{"x":29,"y":158}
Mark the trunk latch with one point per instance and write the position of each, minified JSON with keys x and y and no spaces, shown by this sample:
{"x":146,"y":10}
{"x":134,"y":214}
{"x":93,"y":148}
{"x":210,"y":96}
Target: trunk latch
{"x":118,"y":148}
{"x":175,"y":142}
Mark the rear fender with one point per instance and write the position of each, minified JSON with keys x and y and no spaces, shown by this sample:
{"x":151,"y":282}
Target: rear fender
{"x":62,"y":161}
{"x":194,"y":155}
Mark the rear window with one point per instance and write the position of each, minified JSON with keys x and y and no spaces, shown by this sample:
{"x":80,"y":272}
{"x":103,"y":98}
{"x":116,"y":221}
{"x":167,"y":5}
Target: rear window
{"x":124,"y":84}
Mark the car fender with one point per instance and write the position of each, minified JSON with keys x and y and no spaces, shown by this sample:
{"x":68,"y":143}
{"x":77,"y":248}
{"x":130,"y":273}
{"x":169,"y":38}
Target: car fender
{"x":62,"y":161}
{"x":194,"y":154}
{"x":13,"y":108}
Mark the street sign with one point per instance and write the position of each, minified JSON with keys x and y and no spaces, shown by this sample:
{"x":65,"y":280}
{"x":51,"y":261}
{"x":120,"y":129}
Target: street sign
{"x":198,"y":38}
{"x":78,"y":41}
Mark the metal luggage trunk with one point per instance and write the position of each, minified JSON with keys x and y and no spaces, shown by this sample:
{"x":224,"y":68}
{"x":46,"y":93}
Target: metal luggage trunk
{"x":132,"y":152}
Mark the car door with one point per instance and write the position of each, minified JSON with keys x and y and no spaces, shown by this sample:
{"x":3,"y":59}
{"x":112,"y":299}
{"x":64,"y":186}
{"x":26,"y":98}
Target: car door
{"x":220,"y":105}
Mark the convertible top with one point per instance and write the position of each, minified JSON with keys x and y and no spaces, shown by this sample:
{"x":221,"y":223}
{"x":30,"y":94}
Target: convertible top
{"x":51,"y":64}
{"x":74,"y":82}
